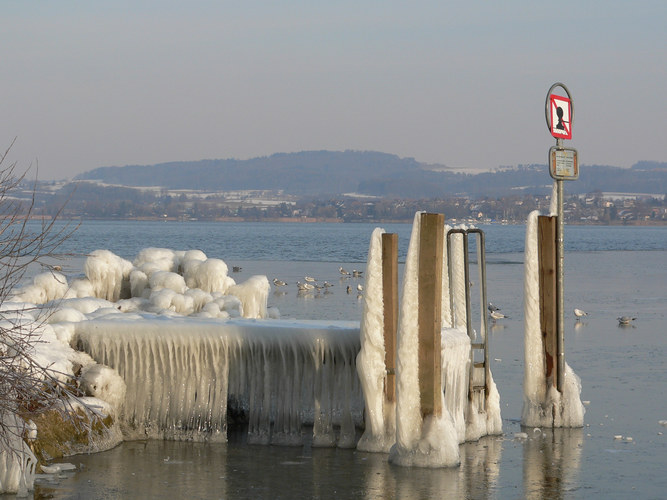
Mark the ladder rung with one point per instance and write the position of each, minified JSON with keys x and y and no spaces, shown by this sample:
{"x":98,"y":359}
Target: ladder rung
{"x":477,"y":345}
{"x":478,"y":387}
{"x":479,"y":364}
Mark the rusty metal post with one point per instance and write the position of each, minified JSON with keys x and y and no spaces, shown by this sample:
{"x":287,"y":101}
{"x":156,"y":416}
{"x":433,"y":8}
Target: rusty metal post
{"x":390,"y":301}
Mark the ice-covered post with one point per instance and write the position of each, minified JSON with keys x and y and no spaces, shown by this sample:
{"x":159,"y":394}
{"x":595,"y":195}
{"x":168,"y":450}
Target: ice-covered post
{"x":546,"y":248}
{"x":563,"y":165}
{"x":545,"y":403}
{"x":430,"y":302}
{"x":390,"y":301}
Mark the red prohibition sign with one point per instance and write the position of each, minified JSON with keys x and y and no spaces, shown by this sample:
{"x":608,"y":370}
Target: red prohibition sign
{"x":559,"y":113}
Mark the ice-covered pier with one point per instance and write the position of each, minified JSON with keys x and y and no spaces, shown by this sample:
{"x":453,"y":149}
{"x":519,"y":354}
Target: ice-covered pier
{"x":189,"y":377}
{"x":173,"y":348}
{"x":186,"y":378}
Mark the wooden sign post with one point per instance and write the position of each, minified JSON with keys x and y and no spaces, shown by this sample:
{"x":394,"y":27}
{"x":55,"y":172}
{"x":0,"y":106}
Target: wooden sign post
{"x":430,"y":303}
{"x":547,"y":258}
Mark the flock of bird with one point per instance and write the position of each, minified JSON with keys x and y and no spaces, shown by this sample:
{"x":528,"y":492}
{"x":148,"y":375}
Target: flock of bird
{"x":622,"y":320}
{"x":495,"y":314}
{"x":310,"y":283}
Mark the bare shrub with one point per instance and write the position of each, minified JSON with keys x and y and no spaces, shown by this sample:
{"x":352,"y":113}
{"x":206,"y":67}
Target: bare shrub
{"x":27,"y":388}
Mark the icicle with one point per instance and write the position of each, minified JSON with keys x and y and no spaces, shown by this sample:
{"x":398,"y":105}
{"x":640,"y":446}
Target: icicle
{"x":446,"y":308}
{"x":181,"y":374}
{"x":425,"y":442}
{"x":455,"y":368}
{"x":17,"y":462}
{"x":457,"y":285}
{"x":379,"y":434}
{"x":323,"y":434}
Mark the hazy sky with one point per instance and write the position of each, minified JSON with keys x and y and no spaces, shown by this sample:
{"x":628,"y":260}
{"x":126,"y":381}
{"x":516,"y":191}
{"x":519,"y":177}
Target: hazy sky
{"x":99,"y":83}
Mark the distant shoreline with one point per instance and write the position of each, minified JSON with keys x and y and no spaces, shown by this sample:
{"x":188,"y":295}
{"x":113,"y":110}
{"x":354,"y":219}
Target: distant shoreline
{"x":315,"y":220}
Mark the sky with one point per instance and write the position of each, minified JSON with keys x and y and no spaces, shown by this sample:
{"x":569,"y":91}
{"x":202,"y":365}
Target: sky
{"x":93,"y":83}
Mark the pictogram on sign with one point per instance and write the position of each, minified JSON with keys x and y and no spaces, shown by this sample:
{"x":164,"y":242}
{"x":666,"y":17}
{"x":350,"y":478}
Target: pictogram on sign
{"x":561,"y":113}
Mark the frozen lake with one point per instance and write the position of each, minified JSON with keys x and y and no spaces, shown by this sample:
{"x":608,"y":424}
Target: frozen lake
{"x":609,"y":272}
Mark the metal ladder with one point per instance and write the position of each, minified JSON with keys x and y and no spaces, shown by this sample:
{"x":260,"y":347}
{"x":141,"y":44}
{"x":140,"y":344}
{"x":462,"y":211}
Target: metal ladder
{"x":479,"y":350}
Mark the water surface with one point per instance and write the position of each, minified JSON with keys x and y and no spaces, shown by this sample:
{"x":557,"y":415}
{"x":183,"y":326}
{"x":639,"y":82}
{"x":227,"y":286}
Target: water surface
{"x":609,"y":272}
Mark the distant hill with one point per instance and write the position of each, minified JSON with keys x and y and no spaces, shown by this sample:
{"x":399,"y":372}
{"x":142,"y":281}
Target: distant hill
{"x":320,"y":173}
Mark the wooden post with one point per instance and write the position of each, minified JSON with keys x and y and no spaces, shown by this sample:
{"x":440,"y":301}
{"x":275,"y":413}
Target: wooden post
{"x":390,"y":301}
{"x":546,"y":246}
{"x":430,"y":297}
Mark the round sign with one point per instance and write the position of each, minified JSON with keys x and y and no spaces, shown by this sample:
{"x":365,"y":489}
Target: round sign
{"x":559,"y":112}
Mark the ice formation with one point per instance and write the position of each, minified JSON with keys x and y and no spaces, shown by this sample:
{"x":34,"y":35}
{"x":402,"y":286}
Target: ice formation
{"x":380,"y":427}
{"x":160,"y":281}
{"x":276,"y":374}
{"x":457,"y":286}
{"x":52,"y":352}
{"x":543,"y":406}
{"x":430,"y":441}
{"x":17,"y":462}
{"x":172,"y":347}
{"x":399,"y":427}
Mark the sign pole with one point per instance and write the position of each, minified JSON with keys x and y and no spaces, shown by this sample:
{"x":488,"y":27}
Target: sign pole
{"x":563,"y":165}
{"x":560,"y":288}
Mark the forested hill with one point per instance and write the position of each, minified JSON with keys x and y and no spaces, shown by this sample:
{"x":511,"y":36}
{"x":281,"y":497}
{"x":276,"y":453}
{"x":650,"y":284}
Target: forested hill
{"x":319,"y":173}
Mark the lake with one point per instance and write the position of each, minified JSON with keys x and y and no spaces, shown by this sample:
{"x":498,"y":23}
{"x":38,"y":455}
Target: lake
{"x":609,"y":272}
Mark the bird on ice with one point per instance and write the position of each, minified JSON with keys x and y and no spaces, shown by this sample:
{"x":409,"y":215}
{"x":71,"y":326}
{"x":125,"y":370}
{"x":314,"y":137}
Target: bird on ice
{"x":625,"y":320}
{"x":343,"y":271}
{"x":356,"y":274}
{"x":578,"y":313}
{"x":360,"y":287}
{"x":493,"y":308}
{"x":304,"y":286}
{"x":497,"y":315}
{"x":278,"y":282}
{"x":309,"y":279}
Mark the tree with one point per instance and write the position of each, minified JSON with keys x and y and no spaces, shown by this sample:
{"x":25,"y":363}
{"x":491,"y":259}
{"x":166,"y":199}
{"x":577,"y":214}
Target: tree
{"x":26,"y":388}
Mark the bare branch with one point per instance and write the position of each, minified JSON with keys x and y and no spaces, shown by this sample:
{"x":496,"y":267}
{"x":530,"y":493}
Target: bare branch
{"x":27,"y":388}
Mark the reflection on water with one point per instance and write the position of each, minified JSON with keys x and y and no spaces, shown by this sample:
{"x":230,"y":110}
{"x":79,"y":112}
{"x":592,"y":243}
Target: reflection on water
{"x":551,"y":462}
{"x":169,"y":469}
{"x":480,"y":469}
{"x":579,"y":325}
